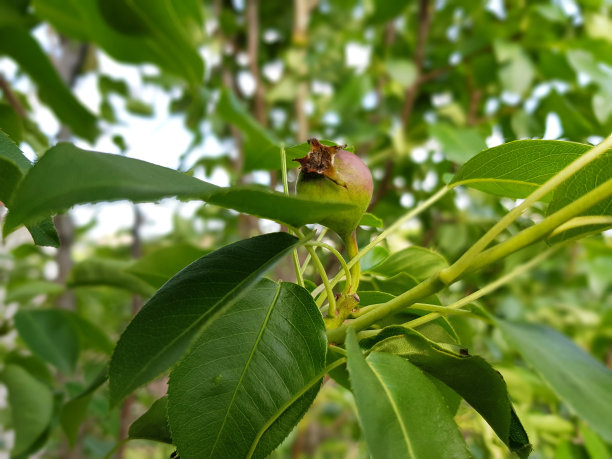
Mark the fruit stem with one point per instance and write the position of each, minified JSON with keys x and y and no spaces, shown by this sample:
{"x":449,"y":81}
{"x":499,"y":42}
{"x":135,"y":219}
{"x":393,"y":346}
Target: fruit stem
{"x":352,"y":249}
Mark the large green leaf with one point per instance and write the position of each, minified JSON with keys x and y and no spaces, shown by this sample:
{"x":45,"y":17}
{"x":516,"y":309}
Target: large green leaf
{"x":50,"y":335}
{"x":401,"y":411}
{"x":135,"y":31}
{"x":516,"y":169}
{"x":419,"y":262}
{"x":13,"y":166}
{"x":67,"y":175}
{"x":588,"y":178}
{"x":261,"y":148}
{"x":470,"y":376}
{"x":186,"y":305}
{"x":108,"y":272}
{"x":32,"y":406}
{"x":250,"y":377}
{"x":153,"y":425}
{"x":576,"y":377}
{"x":18,"y":44}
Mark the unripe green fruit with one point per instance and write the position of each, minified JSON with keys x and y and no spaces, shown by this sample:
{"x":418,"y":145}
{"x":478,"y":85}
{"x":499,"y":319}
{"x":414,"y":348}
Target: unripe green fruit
{"x":330,"y":174}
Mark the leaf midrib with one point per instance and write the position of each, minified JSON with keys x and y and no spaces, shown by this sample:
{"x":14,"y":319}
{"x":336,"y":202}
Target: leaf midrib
{"x":247,"y":365}
{"x":394,"y":407}
{"x":198,"y":322}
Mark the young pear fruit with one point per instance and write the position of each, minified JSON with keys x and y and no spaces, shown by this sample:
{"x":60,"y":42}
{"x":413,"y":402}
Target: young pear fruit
{"x":332,"y":174}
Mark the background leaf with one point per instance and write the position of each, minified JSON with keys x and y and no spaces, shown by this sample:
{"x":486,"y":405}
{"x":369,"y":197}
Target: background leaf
{"x":50,"y":335}
{"x":17,"y":43}
{"x":401,"y":411}
{"x":418,"y":262}
{"x":576,"y":377}
{"x":221,"y":402}
{"x":32,"y":403}
{"x":167,"y":325}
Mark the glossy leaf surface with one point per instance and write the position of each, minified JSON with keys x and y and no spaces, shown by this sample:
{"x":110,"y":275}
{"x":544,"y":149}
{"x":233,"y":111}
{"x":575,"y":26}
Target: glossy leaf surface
{"x":186,"y":305}
{"x":401,"y":411}
{"x":470,"y":376}
{"x":69,"y":176}
{"x":250,"y":377}
{"x":516,"y":169}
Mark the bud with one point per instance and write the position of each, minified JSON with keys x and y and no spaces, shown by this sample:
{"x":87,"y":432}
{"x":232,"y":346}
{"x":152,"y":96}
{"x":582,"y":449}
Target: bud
{"x":331,"y":174}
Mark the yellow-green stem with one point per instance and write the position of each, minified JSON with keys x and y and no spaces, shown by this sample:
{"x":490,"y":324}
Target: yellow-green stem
{"x":391,"y":229}
{"x":453,"y":272}
{"x":352,"y":250}
{"x":337,"y":254}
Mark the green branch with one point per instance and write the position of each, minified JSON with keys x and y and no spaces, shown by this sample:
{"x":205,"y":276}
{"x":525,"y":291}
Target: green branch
{"x":453,"y":272}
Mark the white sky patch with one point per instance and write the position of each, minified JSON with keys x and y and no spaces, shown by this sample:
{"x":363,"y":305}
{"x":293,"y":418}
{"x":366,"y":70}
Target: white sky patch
{"x":496,"y":138}
{"x":510,"y":98}
{"x":246,"y":83}
{"x":497,"y":8}
{"x":441,"y":99}
{"x":261,"y":177}
{"x":491,"y":105}
{"x":273,"y":71}
{"x":462,"y":200}
{"x":357,"y":56}
{"x":430,"y":181}
{"x":419,"y":154}
{"x":271,"y":36}
{"x":242,"y":58}
{"x":553,"y":127}
{"x":369,"y":100}
{"x":322,"y":88}
{"x":407,"y":200}
{"x":399,"y":182}
{"x":331,"y":119}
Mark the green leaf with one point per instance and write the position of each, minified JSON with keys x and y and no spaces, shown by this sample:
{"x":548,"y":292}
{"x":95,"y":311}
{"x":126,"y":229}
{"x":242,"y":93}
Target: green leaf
{"x":13,"y":166}
{"x":67,"y":175}
{"x":374,"y":257}
{"x":516,"y":169}
{"x":108,"y":272}
{"x":136,"y":31}
{"x":470,"y":376}
{"x":11,"y":122}
{"x":25,"y":50}
{"x":419,"y":262}
{"x":74,"y":411}
{"x":157,"y":267}
{"x":90,"y":335}
{"x":368,"y":219}
{"x":32,"y":406}
{"x":221,"y":402}
{"x":401,"y":411}
{"x":385,"y":10}
{"x":588,"y":178}
{"x":153,"y":425}
{"x":50,"y":335}
{"x":24,"y":291}
{"x":261,"y":147}
{"x":402,"y":71}
{"x":582,"y":382}
{"x":186,"y":305}
{"x":458,"y":144}
{"x":44,"y":233}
